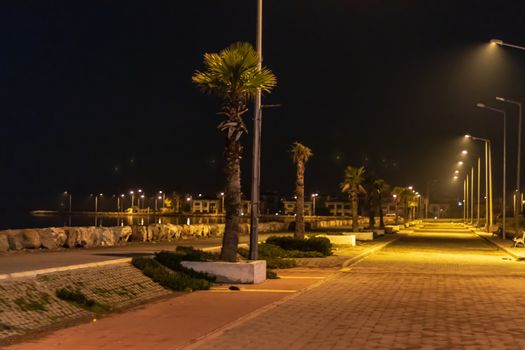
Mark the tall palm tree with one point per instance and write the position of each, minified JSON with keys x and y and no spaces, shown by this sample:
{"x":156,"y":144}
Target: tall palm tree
{"x":234,"y":76}
{"x":300,"y":155}
{"x":352,"y":184}
{"x":381,"y":188}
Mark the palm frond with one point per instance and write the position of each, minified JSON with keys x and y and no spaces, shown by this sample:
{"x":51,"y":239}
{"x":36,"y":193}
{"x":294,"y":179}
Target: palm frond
{"x":300,"y":152}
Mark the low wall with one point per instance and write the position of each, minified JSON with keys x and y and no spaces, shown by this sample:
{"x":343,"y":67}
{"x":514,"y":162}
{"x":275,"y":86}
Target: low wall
{"x":89,"y":237}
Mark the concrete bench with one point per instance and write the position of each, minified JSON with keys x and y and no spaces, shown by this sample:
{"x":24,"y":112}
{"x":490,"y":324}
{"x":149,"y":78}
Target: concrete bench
{"x":362,"y":236}
{"x":519,"y":239}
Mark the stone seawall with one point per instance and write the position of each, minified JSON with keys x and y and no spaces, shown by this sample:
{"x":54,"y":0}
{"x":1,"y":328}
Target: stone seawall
{"x":89,"y":237}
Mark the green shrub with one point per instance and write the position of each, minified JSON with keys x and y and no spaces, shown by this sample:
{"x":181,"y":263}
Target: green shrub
{"x":172,"y":260}
{"x":80,"y":299}
{"x":271,"y":275}
{"x":314,"y":244}
{"x":175,"y":280}
{"x":280,"y":263}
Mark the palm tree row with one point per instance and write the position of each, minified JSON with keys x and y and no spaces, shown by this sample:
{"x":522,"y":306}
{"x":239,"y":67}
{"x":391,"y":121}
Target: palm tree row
{"x":234,"y":76}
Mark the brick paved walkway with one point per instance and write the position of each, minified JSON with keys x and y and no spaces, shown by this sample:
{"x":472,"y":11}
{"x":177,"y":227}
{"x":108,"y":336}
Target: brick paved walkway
{"x":426,"y":291}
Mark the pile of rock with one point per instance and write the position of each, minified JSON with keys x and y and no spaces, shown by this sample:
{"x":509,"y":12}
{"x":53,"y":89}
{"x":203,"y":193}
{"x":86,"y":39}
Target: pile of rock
{"x":89,"y":237}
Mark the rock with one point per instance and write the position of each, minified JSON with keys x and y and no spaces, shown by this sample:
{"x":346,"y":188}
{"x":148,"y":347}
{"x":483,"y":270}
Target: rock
{"x":14,"y":238}
{"x":48,"y":239}
{"x":30,"y":239}
{"x":82,"y":237}
{"x":186,"y":231}
{"x":123,"y":233}
{"x":105,"y":237}
{"x":140,"y":234}
{"x":4,"y":243}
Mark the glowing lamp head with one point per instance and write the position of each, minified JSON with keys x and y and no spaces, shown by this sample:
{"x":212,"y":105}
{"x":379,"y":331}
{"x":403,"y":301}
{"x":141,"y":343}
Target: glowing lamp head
{"x":410,"y":188}
{"x":464,"y":152}
{"x":496,"y":42}
{"x":480,"y":105}
{"x":467,"y":136}
{"x":460,"y":163}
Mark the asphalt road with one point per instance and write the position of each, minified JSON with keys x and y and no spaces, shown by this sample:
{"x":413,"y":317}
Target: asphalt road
{"x":41,"y":259}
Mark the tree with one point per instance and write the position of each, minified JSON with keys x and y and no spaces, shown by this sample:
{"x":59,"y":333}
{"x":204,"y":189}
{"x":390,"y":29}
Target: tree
{"x":405,"y":196}
{"x":372,"y":199}
{"x":234,"y":76}
{"x":381,"y":188}
{"x":352,"y":184}
{"x":300,"y":155}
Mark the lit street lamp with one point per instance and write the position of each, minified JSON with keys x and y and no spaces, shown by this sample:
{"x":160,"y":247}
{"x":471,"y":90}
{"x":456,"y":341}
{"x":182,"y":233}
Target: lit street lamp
{"x":481,"y":105}
{"x":488,"y":180}
{"x":96,"y":202}
{"x":501,"y":43}
{"x":314,"y":196}
{"x":517,"y":207}
{"x":132,"y":193}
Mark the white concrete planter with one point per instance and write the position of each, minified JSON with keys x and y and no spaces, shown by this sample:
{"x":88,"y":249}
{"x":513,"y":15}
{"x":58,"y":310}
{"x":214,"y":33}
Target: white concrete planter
{"x":340,"y":239}
{"x":379,"y":232}
{"x":249,"y":272}
{"x":361,"y":236}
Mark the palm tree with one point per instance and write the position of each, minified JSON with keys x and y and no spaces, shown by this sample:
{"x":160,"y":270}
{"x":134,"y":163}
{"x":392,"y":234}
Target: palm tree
{"x":351,"y":184}
{"x":234,"y":76}
{"x":406,"y":197}
{"x":300,"y":155}
{"x":381,"y":188}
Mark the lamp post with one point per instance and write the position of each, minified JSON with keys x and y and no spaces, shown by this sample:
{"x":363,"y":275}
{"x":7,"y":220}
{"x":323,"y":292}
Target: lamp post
{"x":256,"y":162}
{"x":96,"y":202}
{"x":488,"y":180}
{"x":502,"y":43}
{"x":481,"y":105}
{"x":132,"y":193}
{"x":314,"y":196}
{"x":517,"y":208}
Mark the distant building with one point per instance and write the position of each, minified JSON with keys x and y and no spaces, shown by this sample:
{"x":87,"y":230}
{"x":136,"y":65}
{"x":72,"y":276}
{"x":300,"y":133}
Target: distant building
{"x":438,"y":210}
{"x":289,"y":207}
{"x":205,"y":206}
{"x":339,"y":208}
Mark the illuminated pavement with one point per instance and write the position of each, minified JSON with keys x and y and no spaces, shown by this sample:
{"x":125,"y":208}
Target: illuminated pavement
{"x":428,"y":290}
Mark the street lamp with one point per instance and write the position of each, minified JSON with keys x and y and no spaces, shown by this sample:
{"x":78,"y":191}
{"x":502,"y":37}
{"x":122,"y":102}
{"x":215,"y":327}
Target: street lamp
{"x":488,"y":179}
{"x":132,"y":193}
{"x":66,"y":193}
{"x":502,"y":43}
{"x":96,"y":202}
{"x":314,"y":196}
{"x":256,"y":158}
{"x":481,"y":105}
{"x":517,"y":208}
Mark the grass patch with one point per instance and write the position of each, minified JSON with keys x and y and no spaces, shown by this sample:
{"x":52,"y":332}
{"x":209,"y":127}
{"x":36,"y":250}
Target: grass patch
{"x":33,"y":303}
{"x":80,"y":299}
{"x":280,"y":263}
{"x":172,"y":260}
{"x":175,"y":280}
{"x":315,"y":244}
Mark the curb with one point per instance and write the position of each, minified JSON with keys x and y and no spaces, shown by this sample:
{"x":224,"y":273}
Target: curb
{"x":366,"y":253}
{"x":500,"y":247}
{"x":33,"y":273}
{"x":197,"y":342}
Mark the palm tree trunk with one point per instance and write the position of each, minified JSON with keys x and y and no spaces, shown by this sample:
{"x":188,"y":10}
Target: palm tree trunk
{"x":355,"y":226}
{"x":299,"y":204}
{"x":232,"y":200}
{"x":371,"y":214}
{"x":381,"y":220}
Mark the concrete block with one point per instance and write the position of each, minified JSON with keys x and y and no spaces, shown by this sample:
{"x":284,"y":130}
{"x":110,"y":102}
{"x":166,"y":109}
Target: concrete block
{"x":340,"y":239}
{"x":362,"y":236}
{"x":249,"y":272}
{"x":392,"y":228}
{"x":379,"y":232}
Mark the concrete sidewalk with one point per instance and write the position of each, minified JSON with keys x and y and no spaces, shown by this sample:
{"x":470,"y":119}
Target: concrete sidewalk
{"x":180,"y":321}
{"x":505,"y":245}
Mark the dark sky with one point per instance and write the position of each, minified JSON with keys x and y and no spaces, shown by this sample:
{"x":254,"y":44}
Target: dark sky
{"x":96,"y":96}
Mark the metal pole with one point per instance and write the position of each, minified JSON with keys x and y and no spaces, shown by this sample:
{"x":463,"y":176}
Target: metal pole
{"x":479,"y":189}
{"x":472,"y":195}
{"x":254,"y":223}
{"x":491,"y":188}
{"x":70,"y":201}
{"x":464,"y":200}
{"x":517,"y":211}
{"x":467,"y":207}
{"x":504,"y":170}
{"x":487,"y":225}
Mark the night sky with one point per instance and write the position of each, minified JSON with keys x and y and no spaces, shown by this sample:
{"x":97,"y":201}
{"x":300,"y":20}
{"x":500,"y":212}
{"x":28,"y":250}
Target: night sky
{"x":96,"y":96}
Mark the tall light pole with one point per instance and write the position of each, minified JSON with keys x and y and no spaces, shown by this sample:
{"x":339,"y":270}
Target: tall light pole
{"x":314,"y":196}
{"x":488,"y":180}
{"x":517,"y":208}
{"x":132,"y":193}
{"x":256,"y":161}
{"x":481,"y":105}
